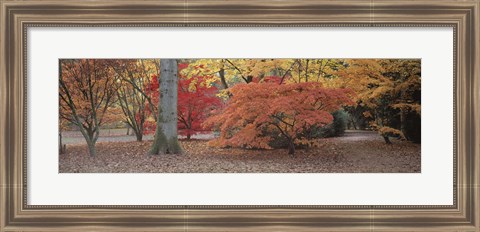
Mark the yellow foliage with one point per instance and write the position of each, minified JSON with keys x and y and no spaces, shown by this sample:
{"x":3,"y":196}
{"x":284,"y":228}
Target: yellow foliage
{"x":390,"y":132}
{"x":367,"y":114}
{"x":408,"y":107}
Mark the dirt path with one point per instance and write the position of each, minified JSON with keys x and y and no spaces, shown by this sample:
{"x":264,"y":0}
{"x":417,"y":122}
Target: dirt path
{"x":356,"y":151}
{"x":359,"y":135}
{"x":117,"y":135}
{"x":367,"y":151}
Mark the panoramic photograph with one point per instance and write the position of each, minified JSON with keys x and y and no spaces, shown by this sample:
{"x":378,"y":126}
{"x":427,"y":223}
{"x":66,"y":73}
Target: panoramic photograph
{"x":239,"y":115}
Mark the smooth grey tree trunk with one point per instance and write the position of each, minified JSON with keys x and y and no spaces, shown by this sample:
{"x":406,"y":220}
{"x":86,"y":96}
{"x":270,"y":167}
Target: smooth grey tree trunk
{"x":166,"y":136}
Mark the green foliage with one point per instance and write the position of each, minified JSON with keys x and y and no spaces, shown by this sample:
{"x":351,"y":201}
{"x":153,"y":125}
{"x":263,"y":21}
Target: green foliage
{"x":339,"y":124}
{"x":334,"y":129}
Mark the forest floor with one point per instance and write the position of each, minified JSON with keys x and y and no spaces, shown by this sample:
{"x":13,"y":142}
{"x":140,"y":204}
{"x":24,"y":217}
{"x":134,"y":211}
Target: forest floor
{"x":355,"y":152}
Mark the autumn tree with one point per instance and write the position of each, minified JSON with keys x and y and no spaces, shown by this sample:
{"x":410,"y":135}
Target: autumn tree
{"x":405,"y":95}
{"x":388,"y":91}
{"x":315,"y":70}
{"x":229,"y":72}
{"x":213,"y":71}
{"x":196,"y":100}
{"x":87,"y":89}
{"x":134,"y":98}
{"x":257,"y":111}
{"x":166,"y":136}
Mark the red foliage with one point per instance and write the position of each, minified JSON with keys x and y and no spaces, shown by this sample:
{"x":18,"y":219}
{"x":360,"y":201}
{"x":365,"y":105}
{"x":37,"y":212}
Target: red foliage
{"x":196,"y":100}
{"x":151,"y":90}
{"x":267,"y":79}
{"x":256,"y":111}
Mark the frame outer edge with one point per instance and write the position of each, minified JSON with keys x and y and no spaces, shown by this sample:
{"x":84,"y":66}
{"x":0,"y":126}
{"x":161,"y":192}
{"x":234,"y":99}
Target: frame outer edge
{"x":9,"y":100}
{"x":4,"y":106}
{"x":3,"y":100}
{"x":476,"y":102}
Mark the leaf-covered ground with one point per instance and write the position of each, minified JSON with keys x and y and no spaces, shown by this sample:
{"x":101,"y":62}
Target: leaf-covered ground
{"x":356,"y":152}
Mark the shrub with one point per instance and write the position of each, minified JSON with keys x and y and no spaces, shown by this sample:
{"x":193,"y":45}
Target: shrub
{"x":387,"y":132}
{"x":338,"y":126}
{"x":258,"y":114}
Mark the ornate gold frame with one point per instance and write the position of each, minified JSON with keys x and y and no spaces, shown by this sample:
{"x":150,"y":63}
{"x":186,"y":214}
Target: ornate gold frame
{"x":17,"y":16}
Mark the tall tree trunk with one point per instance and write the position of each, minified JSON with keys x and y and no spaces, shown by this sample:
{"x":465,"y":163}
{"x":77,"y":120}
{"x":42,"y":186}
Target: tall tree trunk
{"x":159,"y":140}
{"x":166,"y":135}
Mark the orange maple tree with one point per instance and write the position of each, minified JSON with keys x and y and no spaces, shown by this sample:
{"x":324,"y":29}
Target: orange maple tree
{"x":257,"y":111}
{"x":87,"y":90}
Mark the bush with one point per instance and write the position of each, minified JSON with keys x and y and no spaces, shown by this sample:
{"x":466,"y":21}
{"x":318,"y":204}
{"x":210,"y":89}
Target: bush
{"x":391,"y":132}
{"x":387,"y":132}
{"x":334,"y":129}
{"x":337,"y":128}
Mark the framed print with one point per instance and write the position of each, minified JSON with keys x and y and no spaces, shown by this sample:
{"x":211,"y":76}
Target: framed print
{"x":239,"y":116}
